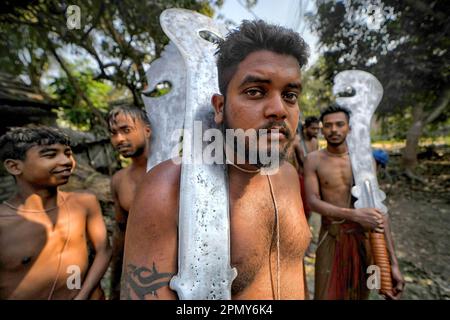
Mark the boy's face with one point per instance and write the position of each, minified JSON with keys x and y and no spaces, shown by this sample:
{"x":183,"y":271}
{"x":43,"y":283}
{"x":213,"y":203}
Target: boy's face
{"x":49,"y":165}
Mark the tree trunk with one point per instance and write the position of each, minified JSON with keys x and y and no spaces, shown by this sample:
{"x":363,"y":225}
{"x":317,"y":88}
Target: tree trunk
{"x":409,"y":159}
{"x":420,"y":120}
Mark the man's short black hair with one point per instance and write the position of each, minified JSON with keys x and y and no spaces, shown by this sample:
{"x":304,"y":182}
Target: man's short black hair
{"x":15,"y":143}
{"x":132,"y":112}
{"x":333,"y":108}
{"x":254,"y":36}
{"x":310,"y":120}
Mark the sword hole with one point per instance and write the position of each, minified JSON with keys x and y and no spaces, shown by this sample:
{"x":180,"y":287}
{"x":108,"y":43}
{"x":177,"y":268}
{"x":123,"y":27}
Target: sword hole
{"x":348,"y":92}
{"x":161,"y":88}
{"x":210,"y":36}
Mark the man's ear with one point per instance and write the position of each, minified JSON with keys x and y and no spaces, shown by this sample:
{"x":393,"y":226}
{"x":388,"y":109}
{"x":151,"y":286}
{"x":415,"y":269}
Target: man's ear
{"x":218,"y":102}
{"x":148,"y":131}
{"x":13,"y":166}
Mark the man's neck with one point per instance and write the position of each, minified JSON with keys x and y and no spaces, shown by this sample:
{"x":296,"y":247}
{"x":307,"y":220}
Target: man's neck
{"x":307,"y":136}
{"x":233,"y":159}
{"x":140,"y":161}
{"x":338,"y":150}
{"x":33,"y":198}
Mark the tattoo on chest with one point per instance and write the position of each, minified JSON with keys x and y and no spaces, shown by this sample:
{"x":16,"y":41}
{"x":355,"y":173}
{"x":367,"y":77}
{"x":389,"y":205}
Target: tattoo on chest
{"x":142,"y":281}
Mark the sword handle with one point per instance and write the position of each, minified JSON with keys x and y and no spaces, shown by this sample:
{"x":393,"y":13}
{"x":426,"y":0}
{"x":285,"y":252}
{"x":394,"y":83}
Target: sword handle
{"x":381,"y":257}
{"x":379,"y":250}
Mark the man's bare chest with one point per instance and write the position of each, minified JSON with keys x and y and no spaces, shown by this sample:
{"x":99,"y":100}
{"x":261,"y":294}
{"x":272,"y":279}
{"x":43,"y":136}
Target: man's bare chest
{"x":254,"y":226}
{"x":26,"y":239}
{"x":254,"y":237}
{"x":335,"y":174}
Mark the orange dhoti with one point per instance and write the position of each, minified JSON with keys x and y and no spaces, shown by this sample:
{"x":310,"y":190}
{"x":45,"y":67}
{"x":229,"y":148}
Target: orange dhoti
{"x":342,"y":258}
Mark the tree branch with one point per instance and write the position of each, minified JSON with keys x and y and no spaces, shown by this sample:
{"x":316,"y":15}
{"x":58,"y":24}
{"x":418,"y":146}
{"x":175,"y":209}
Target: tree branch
{"x":76,"y":85}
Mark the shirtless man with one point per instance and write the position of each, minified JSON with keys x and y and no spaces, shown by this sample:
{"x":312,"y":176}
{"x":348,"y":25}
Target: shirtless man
{"x":303,"y":145}
{"x":259,"y":78}
{"x":310,"y":133}
{"x":43,"y":230}
{"x":343,"y":255}
{"x":130,"y":135}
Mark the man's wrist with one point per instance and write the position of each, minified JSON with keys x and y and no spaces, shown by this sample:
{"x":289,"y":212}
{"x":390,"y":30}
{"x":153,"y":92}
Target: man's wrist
{"x":351,"y":215}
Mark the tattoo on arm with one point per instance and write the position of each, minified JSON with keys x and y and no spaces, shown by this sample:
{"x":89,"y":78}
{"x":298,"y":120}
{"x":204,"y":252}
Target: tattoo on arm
{"x":142,"y":281}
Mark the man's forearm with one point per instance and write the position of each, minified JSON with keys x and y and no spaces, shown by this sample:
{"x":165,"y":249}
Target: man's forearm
{"x":116,"y":263}
{"x":95,"y":273}
{"x":389,"y":240}
{"x":331,"y":211}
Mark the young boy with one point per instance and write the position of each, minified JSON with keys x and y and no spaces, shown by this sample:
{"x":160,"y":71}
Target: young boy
{"x":43,"y":231}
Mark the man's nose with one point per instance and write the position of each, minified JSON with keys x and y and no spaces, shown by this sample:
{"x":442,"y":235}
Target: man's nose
{"x":65,"y":160}
{"x":119,"y":138}
{"x":276,"y":108}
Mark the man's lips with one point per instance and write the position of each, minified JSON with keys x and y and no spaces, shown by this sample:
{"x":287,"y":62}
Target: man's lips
{"x":279,"y":133}
{"x":123,"y":147}
{"x":64,"y":172}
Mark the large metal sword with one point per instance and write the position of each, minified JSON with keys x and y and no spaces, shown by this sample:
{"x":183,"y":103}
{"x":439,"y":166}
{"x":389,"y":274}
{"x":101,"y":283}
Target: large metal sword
{"x":364,"y":93}
{"x":204,"y":270}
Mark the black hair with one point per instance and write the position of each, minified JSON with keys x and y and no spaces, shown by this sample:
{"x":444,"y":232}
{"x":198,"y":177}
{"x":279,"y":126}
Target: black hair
{"x":254,"y":36}
{"x":133,"y":112}
{"x":333,"y":108}
{"x":15,"y":143}
{"x":310,"y":120}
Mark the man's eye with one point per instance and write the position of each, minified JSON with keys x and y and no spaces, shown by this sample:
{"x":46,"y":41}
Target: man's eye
{"x":126,"y":130}
{"x":290,"y":97}
{"x":254,"y":93}
{"x":49,"y":155}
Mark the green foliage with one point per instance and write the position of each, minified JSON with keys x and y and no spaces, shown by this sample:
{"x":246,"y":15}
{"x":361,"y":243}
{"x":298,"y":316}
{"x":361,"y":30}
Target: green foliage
{"x":405,"y":44}
{"x":118,"y":38}
{"x":21,"y":54}
{"x":75,"y":110}
{"x":316,"y":94}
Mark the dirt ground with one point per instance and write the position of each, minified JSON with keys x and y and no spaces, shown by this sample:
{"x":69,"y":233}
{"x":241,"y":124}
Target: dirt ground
{"x":420,"y":217}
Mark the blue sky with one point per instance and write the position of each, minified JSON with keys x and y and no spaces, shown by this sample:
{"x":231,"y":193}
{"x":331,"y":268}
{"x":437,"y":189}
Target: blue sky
{"x":282,"y":12}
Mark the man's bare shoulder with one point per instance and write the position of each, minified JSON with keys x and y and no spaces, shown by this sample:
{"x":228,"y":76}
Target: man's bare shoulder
{"x":166,"y":175}
{"x":119,"y":175}
{"x":313,"y":157}
{"x":158,"y":193}
{"x":83,"y":199}
{"x":315,"y":154}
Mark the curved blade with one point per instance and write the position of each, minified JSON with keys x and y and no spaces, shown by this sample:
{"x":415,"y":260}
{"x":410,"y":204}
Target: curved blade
{"x":367,"y":93}
{"x":204,"y":270}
